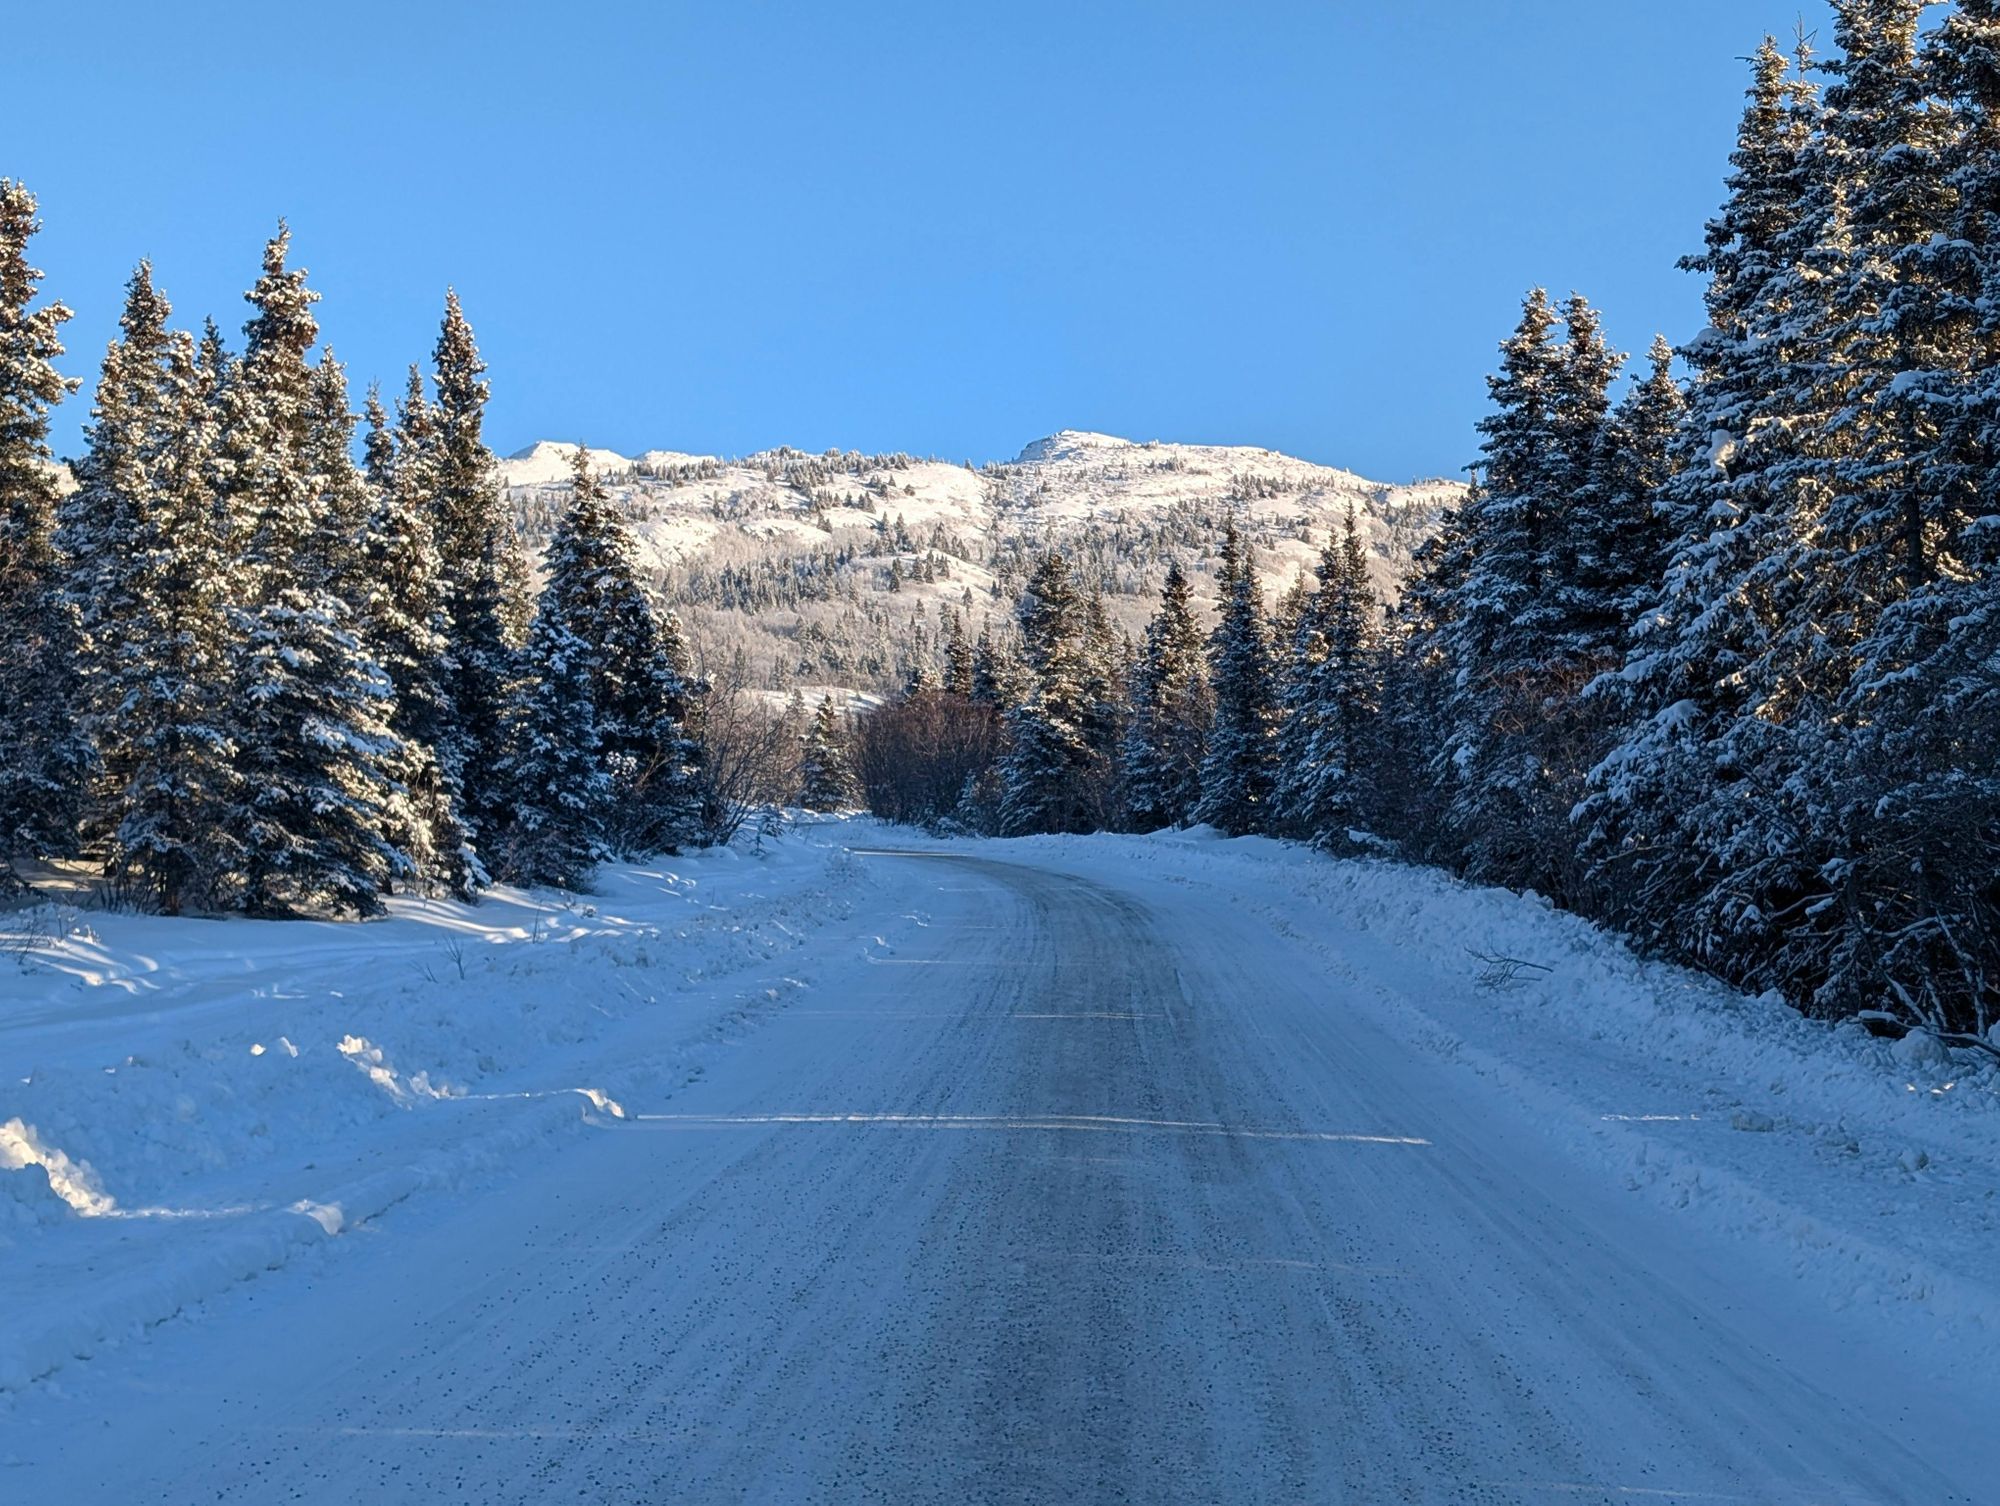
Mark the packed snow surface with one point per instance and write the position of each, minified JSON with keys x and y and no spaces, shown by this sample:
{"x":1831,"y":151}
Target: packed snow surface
{"x":868,"y":1167}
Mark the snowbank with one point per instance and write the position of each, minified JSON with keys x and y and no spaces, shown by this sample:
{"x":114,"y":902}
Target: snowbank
{"x":185,"y":1103}
{"x":1868,"y":1168}
{"x":28,"y":1200}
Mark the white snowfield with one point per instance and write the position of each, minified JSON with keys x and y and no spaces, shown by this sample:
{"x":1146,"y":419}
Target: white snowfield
{"x":1058,"y":1170}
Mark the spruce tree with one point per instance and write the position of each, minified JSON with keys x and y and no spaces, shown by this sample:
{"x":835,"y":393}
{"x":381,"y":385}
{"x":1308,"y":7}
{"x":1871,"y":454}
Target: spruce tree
{"x":1962,"y":268}
{"x":1415,"y":778}
{"x":825,"y":781}
{"x":167,"y":719}
{"x":1764,"y":909}
{"x":1106,"y":668}
{"x":132,"y":421}
{"x":42,"y":759}
{"x":1172,"y":709}
{"x":1051,"y":773}
{"x":1583,"y":610}
{"x":990,"y":672}
{"x":554,"y":772}
{"x":1238,"y":772}
{"x":160,"y":689}
{"x":958,"y":657}
{"x":1507,"y":607}
{"x":1913,"y":918}
{"x":477,"y":553}
{"x":1656,"y":812}
{"x":1623,"y":526}
{"x":311,"y":734}
{"x":403,"y":622}
{"x":1333,"y":694}
{"x":1301,"y":645}
{"x":639,"y":681}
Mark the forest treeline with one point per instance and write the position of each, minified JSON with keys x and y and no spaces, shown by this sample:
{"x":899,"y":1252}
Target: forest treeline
{"x":1714,"y":658}
{"x":1716,"y":661}
{"x":246,"y":670}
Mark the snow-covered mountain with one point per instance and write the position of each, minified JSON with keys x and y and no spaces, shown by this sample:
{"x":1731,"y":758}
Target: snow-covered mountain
{"x":821,"y":566}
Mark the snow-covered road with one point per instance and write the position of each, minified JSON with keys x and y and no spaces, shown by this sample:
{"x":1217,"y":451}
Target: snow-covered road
{"x":1092,"y":1189}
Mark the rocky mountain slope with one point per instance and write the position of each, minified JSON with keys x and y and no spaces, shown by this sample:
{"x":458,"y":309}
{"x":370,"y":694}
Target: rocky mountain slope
{"x":837,"y":569}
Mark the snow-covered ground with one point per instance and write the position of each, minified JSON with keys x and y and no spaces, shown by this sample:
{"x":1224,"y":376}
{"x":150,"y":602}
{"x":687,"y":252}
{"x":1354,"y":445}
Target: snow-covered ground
{"x":1867,"y":1168}
{"x":187,"y":1103}
{"x":1261,"y":1175}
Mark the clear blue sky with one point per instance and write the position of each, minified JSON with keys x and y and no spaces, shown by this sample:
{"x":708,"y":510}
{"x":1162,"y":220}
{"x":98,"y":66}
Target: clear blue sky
{"x":937,"y":226}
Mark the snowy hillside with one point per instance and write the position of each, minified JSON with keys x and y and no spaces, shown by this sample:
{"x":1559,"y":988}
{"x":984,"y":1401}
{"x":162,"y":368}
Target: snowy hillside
{"x":827,"y":568}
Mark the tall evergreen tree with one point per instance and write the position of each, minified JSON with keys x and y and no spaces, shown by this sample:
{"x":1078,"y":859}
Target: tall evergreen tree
{"x":476,"y":549}
{"x":1332,"y":697}
{"x":42,"y":760}
{"x":1506,"y":607}
{"x":958,"y":656}
{"x":1623,"y":527}
{"x":403,"y":622}
{"x":1913,"y":806}
{"x":1656,"y":813}
{"x":1414,"y":775}
{"x":1172,"y":708}
{"x":1765,"y":906}
{"x":554,"y":768}
{"x":1106,"y":667}
{"x":1238,"y":773}
{"x":825,"y":781}
{"x":170,"y":727}
{"x":159,"y":685}
{"x":1051,"y":773}
{"x":311,"y":734}
{"x":1528,"y":618}
{"x":639,"y":682}
{"x":990,"y":671}
{"x":1301,"y":646}
{"x":1581,"y":611}
{"x":132,"y":421}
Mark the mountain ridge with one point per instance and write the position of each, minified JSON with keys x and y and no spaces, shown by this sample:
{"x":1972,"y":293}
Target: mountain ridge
{"x":841,"y":569}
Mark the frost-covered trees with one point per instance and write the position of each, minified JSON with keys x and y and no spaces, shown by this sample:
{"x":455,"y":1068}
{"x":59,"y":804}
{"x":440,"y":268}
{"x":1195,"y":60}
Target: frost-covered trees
{"x":154,"y":581}
{"x":1172,"y":707}
{"x":1828,"y":512}
{"x":1241,"y":763}
{"x":825,"y":781}
{"x":1054,"y":775}
{"x":1330,"y":698}
{"x":241,"y":671}
{"x":554,"y":771}
{"x":1512,"y":604}
{"x":1717,"y":663}
{"x":1650,"y":823}
{"x":479,"y":566}
{"x":636,"y":669}
{"x":403,"y":622}
{"x":1918,"y":807}
{"x":41,"y":759}
{"x":313,"y":747}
